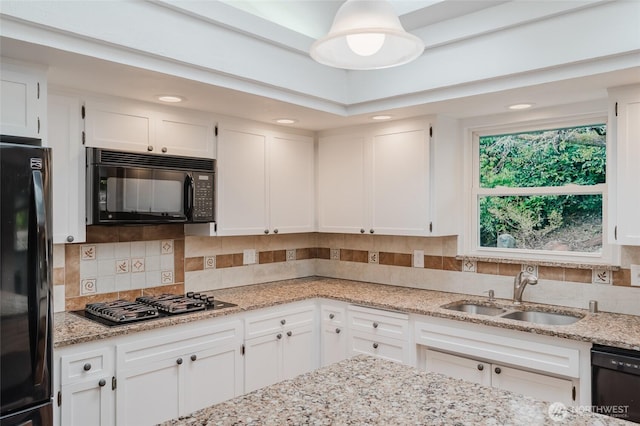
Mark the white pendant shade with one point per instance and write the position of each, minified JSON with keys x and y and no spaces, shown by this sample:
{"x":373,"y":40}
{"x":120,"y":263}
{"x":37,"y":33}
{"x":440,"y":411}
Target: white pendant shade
{"x":365,"y":35}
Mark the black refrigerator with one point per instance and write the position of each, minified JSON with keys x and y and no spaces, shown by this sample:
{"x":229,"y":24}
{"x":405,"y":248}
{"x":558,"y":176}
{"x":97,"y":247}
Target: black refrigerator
{"x":25,"y":291}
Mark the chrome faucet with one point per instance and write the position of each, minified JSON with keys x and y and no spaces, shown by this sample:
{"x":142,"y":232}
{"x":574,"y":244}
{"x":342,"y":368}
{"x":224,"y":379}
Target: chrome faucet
{"x":519,"y":283}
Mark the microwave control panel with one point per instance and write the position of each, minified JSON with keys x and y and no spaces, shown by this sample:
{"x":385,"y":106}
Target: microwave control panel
{"x":203,"y":197}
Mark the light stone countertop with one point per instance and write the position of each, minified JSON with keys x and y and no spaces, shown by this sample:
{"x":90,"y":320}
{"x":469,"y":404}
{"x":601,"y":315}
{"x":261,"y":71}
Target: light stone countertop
{"x":604,"y":328}
{"x":372,"y":391}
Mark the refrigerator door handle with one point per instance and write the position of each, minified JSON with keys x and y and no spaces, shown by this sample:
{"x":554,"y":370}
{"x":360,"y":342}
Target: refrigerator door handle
{"x":41,"y":301}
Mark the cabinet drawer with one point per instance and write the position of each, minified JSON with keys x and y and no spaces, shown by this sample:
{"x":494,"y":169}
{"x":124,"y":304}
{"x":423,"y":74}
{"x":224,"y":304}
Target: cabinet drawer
{"x":379,"y":323}
{"x":85,"y":366}
{"x":266,"y":323}
{"x":391,"y":349}
{"x":332,"y":315}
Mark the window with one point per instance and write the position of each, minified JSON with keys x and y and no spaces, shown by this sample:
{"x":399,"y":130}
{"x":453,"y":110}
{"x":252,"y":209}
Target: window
{"x":541,"y":193}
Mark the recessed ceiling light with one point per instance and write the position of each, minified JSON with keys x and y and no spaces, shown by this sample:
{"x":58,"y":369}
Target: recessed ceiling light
{"x":520,"y":106}
{"x":285,"y":120}
{"x":381,"y":117}
{"x":171,"y":98}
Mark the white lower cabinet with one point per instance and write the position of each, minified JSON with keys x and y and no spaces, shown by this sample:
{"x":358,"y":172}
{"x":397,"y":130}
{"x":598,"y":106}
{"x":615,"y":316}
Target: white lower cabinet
{"x":280,"y":344}
{"x":380,"y":333}
{"x":536,"y":385}
{"x":334,"y":332}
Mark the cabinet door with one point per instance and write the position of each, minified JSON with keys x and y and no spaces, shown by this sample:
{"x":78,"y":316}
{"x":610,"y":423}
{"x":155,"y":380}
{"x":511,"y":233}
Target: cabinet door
{"x":400,"y":183}
{"x":298,"y":352}
{"x":22,"y":90}
{"x":262,"y":361}
{"x":116,"y":125}
{"x":89,"y":402}
{"x":341,"y":184}
{"x":539,"y":386}
{"x":149,"y":394}
{"x":334,"y":344}
{"x":291,"y":184}
{"x":458,"y":367}
{"x":191,"y":135}
{"x":628,"y":172}
{"x":242,"y":203}
{"x":64,"y":136}
{"x":211,"y":376}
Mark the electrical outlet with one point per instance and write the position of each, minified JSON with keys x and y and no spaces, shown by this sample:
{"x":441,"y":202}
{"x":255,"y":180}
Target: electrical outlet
{"x":248,"y":256}
{"x":635,"y":275}
{"x":418,"y":258}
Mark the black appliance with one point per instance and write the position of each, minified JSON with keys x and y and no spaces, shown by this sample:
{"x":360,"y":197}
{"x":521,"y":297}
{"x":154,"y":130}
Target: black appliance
{"x":615,"y":382}
{"x":123,"y":312}
{"x":26,"y":285}
{"x":134,"y":188}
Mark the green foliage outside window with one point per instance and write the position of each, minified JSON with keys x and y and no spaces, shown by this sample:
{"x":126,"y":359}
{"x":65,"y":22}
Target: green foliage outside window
{"x":542,"y":159}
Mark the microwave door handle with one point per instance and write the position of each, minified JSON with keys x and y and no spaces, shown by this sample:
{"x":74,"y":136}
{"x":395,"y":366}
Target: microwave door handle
{"x":188,"y":196}
{"x":41,"y":288}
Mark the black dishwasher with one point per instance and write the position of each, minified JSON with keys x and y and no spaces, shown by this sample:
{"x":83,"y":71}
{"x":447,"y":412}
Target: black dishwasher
{"x":615,"y":382}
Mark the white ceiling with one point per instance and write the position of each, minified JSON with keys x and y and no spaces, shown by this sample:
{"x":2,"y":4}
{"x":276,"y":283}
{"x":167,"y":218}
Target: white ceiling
{"x":293,"y":25}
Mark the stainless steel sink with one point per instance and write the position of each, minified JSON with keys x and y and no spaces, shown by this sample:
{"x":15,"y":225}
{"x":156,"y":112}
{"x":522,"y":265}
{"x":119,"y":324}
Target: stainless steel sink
{"x":473,"y":308}
{"x":546,"y":318}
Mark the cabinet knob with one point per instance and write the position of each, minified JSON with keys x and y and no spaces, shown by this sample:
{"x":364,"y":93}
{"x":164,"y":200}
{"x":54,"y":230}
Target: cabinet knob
{"x":371,"y":231}
{"x":362,"y":230}
{"x":331,"y":316}
{"x":87,"y":367}
{"x":498,"y":370}
{"x":179,"y":361}
{"x":480,"y":367}
{"x":279,"y":336}
{"x":289,"y":333}
{"x":70,"y":238}
{"x":149,"y":148}
{"x":275,"y":231}
{"x":102,"y":382}
{"x":375,"y":346}
{"x":338,"y":331}
{"x":375,"y":325}
{"x":194,"y":357}
{"x":266,"y":231}
{"x":283,"y":321}
{"x":164,"y":149}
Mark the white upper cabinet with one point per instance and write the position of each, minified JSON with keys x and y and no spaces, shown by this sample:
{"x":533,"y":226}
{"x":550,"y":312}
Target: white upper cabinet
{"x":65,"y":139}
{"x":623,"y":160}
{"x":382,"y":180}
{"x":265,"y":182}
{"x":131,"y":126}
{"x":23,"y":93}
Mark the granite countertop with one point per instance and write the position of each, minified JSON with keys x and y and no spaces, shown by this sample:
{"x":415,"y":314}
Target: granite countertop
{"x":604,"y":328}
{"x":368,"y":390}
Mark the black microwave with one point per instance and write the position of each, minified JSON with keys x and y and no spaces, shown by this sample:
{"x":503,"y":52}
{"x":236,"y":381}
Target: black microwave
{"x":136,"y":188}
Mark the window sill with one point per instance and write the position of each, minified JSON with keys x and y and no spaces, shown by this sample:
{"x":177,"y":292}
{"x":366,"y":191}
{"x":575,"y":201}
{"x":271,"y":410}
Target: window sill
{"x":538,"y":262}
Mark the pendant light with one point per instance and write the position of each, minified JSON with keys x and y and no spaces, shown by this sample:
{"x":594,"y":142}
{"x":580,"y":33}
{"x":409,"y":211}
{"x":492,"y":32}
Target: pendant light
{"x":366,"y":35}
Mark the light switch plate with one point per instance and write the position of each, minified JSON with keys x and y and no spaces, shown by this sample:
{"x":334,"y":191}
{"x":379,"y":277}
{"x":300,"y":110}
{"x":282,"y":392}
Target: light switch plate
{"x":248,"y":256}
{"x":635,"y":275}
{"x":418,"y":258}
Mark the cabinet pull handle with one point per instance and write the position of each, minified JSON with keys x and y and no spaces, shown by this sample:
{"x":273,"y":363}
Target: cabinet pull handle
{"x":275,"y":231}
{"x":102,"y":382}
{"x":362,"y":230}
{"x":38,"y":125}
{"x":149,"y":148}
{"x":331,"y":316}
{"x":266,"y":231}
{"x":179,"y":361}
{"x":70,"y":238}
{"x":87,"y":367}
{"x":283,"y":322}
{"x":194,"y":357}
{"x":279,"y":336}
{"x":375,"y":346}
{"x":498,"y":370}
{"x":164,"y":149}
{"x":289,"y":333}
{"x":480,"y":367}
{"x":338,"y":331}
{"x":375,"y":325}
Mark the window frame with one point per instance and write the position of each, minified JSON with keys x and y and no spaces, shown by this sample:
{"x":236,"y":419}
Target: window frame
{"x":471,"y":244}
